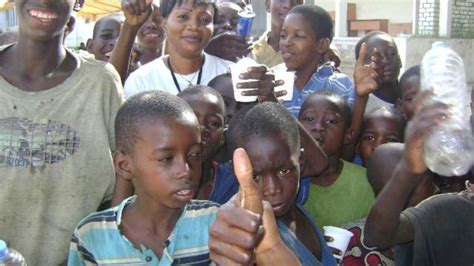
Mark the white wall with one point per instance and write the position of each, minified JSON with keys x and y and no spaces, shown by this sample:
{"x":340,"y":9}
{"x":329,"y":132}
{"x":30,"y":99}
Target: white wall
{"x":82,"y":31}
{"x":396,"y":11}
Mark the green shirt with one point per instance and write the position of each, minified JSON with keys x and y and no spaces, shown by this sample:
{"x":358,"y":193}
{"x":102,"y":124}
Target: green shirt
{"x":347,"y":199}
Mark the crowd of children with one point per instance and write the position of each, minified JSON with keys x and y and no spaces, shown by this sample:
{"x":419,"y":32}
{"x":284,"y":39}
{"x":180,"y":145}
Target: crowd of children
{"x":139,"y":154}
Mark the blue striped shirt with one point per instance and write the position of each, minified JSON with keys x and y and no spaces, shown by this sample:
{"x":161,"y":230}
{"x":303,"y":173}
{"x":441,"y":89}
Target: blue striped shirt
{"x":97,"y":239}
{"x":323,"y":79}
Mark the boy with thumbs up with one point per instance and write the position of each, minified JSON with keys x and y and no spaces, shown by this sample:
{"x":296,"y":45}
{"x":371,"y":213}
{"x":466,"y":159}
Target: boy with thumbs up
{"x":269,"y":135}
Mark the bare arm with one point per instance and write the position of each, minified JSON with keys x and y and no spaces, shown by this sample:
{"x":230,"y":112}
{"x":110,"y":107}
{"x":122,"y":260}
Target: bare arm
{"x":386,"y":225}
{"x":120,"y":58}
{"x":366,"y":81}
{"x":136,"y":13}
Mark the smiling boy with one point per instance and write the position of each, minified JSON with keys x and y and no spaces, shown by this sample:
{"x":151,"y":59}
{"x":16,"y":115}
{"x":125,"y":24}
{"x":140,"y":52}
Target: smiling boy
{"x":56,"y":133}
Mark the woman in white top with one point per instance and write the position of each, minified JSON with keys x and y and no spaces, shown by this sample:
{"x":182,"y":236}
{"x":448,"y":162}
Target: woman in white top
{"x":188,"y":25}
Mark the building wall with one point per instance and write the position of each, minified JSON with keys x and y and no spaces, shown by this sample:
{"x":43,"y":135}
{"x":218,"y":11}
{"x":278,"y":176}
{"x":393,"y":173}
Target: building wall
{"x":428,"y":18}
{"x":396,"y":11}
{"x":462,"y":19}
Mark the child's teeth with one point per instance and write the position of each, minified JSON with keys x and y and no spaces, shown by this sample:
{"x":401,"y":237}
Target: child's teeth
{"x":184,"y":192}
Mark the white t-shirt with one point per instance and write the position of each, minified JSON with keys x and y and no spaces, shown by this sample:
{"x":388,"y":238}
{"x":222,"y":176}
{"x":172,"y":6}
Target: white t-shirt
{"x":156,"y":76}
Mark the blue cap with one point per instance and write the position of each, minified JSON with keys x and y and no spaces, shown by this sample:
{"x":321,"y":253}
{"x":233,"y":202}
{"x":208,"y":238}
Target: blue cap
{"x":3,"y":249}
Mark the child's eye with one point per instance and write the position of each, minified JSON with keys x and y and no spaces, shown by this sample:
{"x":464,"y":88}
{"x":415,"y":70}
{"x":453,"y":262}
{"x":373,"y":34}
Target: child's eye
{"x":166,"y":159}
{"x":331,"y":121}
{"x":393,"y":139}
{"x":206,"y":20}
{"x":215,"y":124}
{"x":183,"y":16}
{"x":369,"y":138}
{"x":283,"y":172}
{"x":308,"y":119}
{"x":106,"y":36}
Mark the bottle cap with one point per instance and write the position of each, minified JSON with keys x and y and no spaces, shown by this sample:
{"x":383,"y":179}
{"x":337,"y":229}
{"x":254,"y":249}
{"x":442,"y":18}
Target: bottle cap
{"x":3,"y":249}
{"x":439,"y":45}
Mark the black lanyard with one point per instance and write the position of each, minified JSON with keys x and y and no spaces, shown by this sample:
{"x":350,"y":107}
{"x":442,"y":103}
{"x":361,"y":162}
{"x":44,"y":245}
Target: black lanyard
{"x":174,"y":77}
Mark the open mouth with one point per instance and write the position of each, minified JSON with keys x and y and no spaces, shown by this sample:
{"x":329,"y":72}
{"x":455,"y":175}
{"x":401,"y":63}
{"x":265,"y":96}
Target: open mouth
{"x":185,"y":195}
{"x":43,"y":16}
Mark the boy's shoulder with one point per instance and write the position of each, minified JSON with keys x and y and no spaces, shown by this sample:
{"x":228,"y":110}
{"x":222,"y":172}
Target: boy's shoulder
{"x":107,"y":219}
{"x":99,"y":219}
{"x":95,"y":66}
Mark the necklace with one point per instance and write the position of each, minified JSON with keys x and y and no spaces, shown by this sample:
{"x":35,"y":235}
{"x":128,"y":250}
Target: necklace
{"x":189,"y":81}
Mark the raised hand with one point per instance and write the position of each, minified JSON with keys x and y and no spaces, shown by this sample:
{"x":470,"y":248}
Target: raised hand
{"x":136,"y":11}
{"x":367,"y":77}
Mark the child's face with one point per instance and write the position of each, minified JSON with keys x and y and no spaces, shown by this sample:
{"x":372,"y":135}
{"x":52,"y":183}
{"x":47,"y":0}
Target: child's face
{"x":210,"y":115}
{"x":166,"y":162}
{"x":227,"y":19}
{"x":298,"y":44}
{"x":151,"y":33}
{"x":410,"y":87}
{"x":390,"y":56}
{"x":276,"y":170}
{"x":279,"y":8}
{"x":377,"y":131}
{"x":324,"y":119}
{"x":104,"y":42}
{"x":43,"y":20}
{"x":225,"y":88}
{"x":189,"y":28}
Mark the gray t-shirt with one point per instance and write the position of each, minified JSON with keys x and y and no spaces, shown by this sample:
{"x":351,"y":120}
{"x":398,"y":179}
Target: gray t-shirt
{"x":55,"y":158}
{"x":444,"y":230}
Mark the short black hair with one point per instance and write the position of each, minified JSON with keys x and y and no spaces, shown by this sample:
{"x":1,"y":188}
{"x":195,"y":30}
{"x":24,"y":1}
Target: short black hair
{"x":334,"y":98}
{"x":119,"y":16}
{"x":266,"y":119}
{"x":367,"y":37}
{"x":388,"y":111}
{"x":166,"y":6}
{"x":204,"y":91}
{"x":146,"y":107}
{"x":318,"y":18}
{"x":216,"y":79}
{"x":412,"y":71}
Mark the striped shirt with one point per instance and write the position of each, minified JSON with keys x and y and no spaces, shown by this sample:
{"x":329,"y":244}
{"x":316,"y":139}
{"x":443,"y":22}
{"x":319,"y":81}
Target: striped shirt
{"x":97,"y":239}
{"x":323,"y":79}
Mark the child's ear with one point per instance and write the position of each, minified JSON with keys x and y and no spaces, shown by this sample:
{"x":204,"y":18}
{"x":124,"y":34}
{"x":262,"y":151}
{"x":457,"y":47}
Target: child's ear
{"x":348,"y":136}
{"x":122,"y":165}
{"x":78,"y":5}
{"x":323,"y":46}
{"x":302,"y":161}
{"x":398,"y":104}
{"x":222,"y":140}
{"x":89,"y":45}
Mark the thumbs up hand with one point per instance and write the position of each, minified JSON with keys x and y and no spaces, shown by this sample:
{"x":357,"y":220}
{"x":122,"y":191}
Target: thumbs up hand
{"x":237,"y":236}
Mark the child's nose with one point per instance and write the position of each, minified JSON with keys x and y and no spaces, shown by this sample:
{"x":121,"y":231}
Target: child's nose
{"x":271,"y":186}
{"x":184,"y":171}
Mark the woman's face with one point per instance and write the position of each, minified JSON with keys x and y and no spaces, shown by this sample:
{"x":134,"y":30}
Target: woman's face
{"x":189,"y":28}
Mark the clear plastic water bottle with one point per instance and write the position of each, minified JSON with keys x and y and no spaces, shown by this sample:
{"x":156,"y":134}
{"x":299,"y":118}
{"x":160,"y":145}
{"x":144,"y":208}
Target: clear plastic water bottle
{"x":10,"y":257}
{"x":448,"y":151}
